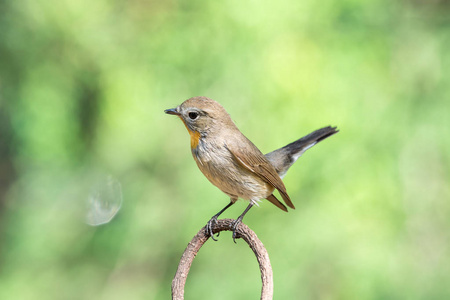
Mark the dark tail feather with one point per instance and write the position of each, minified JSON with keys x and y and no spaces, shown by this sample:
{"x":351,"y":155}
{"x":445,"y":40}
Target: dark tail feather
{"x":282,"y":159}
{"x":276,"y":202}
{"x":309,"y":140}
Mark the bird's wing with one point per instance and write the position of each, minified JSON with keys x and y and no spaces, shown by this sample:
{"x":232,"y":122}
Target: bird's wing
{"x":276,"y":202}
{"x":257,"y":163}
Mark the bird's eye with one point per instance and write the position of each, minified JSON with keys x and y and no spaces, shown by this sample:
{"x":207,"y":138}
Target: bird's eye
{"x":193,"y":115}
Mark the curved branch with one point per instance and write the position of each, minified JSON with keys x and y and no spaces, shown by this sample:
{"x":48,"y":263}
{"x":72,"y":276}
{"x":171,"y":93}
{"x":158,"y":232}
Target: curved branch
{"x":242,"y":231}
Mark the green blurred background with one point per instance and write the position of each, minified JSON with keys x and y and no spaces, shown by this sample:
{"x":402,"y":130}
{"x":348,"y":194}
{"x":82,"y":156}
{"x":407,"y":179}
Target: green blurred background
{"x":83,"y":86}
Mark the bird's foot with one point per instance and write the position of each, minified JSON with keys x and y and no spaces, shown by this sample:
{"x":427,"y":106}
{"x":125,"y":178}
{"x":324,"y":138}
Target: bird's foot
{"x":234,"y":226}
{"x":209,"y":228}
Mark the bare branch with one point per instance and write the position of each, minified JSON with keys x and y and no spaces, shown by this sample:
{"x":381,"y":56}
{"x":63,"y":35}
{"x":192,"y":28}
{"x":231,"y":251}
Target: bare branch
{"x":244,"y":232}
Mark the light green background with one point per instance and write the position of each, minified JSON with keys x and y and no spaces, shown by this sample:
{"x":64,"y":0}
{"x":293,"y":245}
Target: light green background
{"x":83,"y":86}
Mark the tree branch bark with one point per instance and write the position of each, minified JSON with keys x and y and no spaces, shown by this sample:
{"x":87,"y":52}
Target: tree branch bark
{"x":244,"y":232}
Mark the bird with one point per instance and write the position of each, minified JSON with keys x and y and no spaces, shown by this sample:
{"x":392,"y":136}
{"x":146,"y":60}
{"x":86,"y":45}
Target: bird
{"x":231,"y":162}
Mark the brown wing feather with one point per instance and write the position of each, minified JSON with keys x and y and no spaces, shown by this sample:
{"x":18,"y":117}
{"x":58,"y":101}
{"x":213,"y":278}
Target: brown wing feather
{"x":276,"y":202}
{"x":261,"y":167}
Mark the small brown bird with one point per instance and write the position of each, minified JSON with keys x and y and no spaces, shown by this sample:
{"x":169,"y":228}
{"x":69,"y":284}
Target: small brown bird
{"x":232,"y":162}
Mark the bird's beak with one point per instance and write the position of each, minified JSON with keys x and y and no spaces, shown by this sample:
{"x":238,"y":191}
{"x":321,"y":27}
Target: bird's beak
{"x":172,"y":111}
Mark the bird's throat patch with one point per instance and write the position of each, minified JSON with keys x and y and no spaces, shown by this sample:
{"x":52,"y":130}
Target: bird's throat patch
{"x":195,"y":136}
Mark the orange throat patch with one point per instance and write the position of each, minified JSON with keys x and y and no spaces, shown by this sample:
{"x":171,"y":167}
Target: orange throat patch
{"x":195,"y":136}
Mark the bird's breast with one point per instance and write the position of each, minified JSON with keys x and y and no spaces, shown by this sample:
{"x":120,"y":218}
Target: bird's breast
{"x":218,"y":165}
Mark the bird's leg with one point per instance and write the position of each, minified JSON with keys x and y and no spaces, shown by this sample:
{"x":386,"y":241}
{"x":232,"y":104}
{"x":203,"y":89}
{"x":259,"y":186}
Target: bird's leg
{"x":212,"y":222}
{"x":239,"y":221}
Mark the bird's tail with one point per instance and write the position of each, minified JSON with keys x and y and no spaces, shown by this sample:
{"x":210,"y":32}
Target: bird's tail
{"x":282,"y":159}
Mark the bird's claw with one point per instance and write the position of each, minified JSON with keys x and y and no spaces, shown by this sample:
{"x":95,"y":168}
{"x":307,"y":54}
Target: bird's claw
{"x":209,"y":228}
{"x":211,"y":223}
{"x":234,"y":226}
